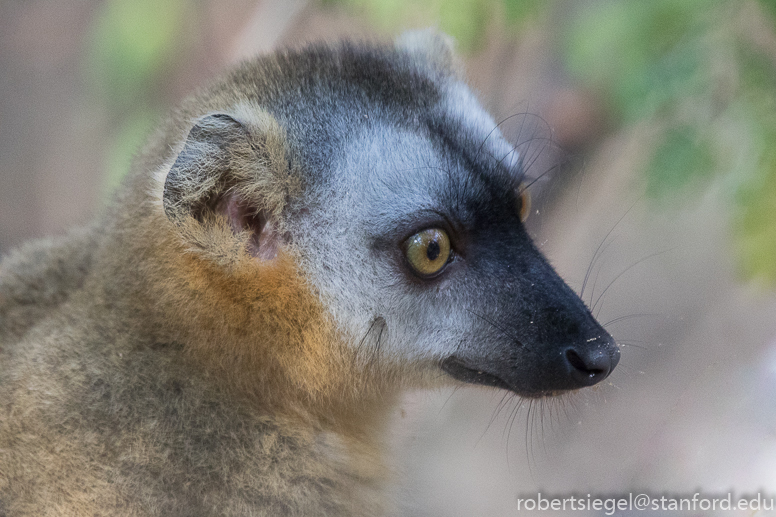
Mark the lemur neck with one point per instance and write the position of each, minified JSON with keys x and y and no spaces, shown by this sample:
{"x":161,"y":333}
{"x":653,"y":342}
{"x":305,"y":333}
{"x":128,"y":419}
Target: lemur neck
{"x":256,"y":327}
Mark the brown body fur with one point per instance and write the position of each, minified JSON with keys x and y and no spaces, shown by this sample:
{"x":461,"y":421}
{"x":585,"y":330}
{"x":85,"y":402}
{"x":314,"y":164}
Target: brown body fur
{"x":131,"y":382}
{"x":105,"y":411}
{"x":198,"y":350}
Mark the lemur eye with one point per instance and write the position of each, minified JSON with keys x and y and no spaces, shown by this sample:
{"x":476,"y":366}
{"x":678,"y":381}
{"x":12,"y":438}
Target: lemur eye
{"x":524,"y":202}
{"x":428,"y":251}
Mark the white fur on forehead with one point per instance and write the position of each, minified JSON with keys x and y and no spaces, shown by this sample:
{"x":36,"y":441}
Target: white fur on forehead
{"x":432,"y":46}
{"x":463,"y":106}
{"x":437,"y":48}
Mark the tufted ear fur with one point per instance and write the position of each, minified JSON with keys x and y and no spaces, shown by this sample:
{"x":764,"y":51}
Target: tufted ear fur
{"x":228,"y":186}
{"x":433,"y":46}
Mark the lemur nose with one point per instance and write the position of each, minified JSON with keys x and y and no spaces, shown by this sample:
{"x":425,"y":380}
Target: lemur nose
{"x":592,"y":364}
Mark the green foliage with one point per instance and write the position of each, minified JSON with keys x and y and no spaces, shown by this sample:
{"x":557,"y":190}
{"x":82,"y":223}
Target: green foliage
{"x":131,"y":45}
{"x":770,"y":5}
{"x":755,"y":221}
{"x":645,"y":55}
{"x":129,"y":138}
{"x":519,"y":10}
{"x":693,"y":67}
{"x":690,"y":66}
{"x":755,"y":202}
{"x":466,"y":20}
{"x":682,"y":157}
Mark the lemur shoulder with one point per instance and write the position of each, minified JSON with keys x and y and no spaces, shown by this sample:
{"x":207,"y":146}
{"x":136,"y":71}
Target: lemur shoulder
{"x":315,"y":232}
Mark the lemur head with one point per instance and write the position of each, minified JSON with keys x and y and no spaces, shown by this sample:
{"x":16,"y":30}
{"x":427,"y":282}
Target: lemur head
{"x":379,"y":176}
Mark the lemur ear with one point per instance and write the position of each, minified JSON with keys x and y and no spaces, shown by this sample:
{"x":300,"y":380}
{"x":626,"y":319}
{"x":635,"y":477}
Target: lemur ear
{"x":232,"y":170}
{"x":200,"y":174}
{"x":432,"y":46}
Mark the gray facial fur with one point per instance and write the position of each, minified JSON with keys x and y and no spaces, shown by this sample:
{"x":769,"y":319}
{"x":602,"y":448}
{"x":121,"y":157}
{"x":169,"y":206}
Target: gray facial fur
{"x":388,"y":163}
{"x":231,"y":336}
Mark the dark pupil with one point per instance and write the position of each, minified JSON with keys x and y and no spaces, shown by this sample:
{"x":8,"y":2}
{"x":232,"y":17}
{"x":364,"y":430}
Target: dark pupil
{"x":432,"y":252}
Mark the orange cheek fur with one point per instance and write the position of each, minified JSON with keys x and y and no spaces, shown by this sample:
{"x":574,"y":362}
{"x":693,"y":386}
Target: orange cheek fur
{"x":262,"y":326}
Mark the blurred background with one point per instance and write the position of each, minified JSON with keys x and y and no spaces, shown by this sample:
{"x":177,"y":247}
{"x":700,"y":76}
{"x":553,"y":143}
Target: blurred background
{"x":652,"y":128}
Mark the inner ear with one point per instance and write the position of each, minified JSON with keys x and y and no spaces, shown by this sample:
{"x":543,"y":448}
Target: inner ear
{"x":242,"y":216}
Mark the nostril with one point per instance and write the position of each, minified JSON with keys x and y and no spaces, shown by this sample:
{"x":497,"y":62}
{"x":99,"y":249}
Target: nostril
{"x":589,"y":367}
{"x":575,"y":361}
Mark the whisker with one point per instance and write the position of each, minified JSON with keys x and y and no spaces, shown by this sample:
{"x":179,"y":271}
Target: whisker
{"x":487,"y":137}
{"x":453,"y":392}
{"x":551,"y":169}
{"x":493,"y":324}
{"x":600,"y":267}
{"x":600,"y":296}
{"x":363,"y":339}
{"x":631,"y":345}
{"x":630,"y":316}
{"x":598,"y":249}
